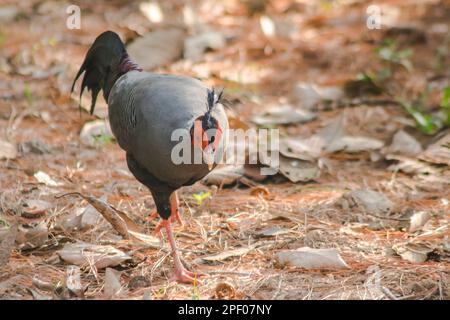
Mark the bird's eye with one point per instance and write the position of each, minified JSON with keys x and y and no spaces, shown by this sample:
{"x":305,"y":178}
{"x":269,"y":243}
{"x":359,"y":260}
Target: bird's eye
{"x":213,"y":138}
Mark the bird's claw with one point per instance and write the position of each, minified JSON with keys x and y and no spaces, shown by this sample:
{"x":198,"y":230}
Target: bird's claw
{"x":185,"y":276}
{"x":152,"y":216}
{"x":176,"y":217}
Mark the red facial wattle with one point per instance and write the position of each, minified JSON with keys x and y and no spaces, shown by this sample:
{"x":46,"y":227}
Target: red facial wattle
{"x":200,"y":138}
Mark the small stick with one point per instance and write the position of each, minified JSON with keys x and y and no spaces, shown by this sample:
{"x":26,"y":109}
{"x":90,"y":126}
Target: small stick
{"x":246,"y":274}
{"x":388,"y":218}
{"x":43,"y":285}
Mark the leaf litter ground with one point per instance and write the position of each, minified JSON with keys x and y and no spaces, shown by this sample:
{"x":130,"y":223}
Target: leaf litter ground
{"x":236,"y":234}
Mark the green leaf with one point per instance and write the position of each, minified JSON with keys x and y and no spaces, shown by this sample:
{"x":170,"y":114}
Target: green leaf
{"x":2,"y":38}
{"x":386,"y":53}
{"x":383,"y":74}
{"x":103,"y":139}
{"x":4,"y":224}
{"x":28,"y":94}
{"x":445,"y":104}
{"x":52,"y":41}
{"x":428,"y":124}
{"x":405,"y":54}
{"x":201,"y":196}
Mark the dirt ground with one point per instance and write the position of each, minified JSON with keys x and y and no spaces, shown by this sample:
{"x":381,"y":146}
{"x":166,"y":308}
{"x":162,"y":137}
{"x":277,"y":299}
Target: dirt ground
{"x":324,"y":43}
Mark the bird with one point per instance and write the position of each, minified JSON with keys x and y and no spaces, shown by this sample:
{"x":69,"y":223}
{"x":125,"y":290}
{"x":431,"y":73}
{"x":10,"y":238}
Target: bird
{"x":144,"y":110}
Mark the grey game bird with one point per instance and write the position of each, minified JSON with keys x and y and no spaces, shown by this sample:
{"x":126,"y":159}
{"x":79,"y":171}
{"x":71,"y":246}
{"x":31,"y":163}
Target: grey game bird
{"x":147,"y":113}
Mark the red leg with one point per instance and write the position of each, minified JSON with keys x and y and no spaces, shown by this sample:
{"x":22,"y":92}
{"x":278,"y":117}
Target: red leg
{"x":175,"y":214}
{"x":181,"y":273}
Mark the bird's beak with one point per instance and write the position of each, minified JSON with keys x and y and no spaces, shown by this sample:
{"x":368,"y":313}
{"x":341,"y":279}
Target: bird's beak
{"x":208,"y":157}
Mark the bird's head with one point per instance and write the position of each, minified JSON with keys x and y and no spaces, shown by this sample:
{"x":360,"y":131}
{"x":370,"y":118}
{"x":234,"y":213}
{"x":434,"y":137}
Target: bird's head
{"x":206,"y":132}
{"x":205,"y":135}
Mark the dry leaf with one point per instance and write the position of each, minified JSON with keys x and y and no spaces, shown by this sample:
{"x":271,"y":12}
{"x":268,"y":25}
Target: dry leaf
{"x":438,"y":152}
{"x":303,"y":149}
{"x":32,"y":236}
{"x":33,"y":208}
{"x":285,"y":114}
{"x":112,"y":283}
{"x":330,"y":139}
{"x":411,"y":166}
{"x":354,"y":144}
{"x":405,"y":144}
{"x":298,"y":170}
{"x":71,"y":221}
{"x":152,"y":11}
{"x":224,"y":176}
{"x":371,"y":201}
{"x":418,"y":220}
{"x":7,"y":150}
{"x":123,"y":224}
{"x":272,"y":232}
{"x":73,"y":281}
{"x":139,"y":282}
{"x":413,"y":252}
{"x":34,"y":147}
{"x":310,"y":258}
{"x":165,"y":45}
{"x":90,"y":217}
{"x":225,"y":255}
{"x":7,"y":241}
{"x":44,"y":178}
{"x":309,"y":95}
{"x":196,"y":45}
{"x":37,"y":295}
{"x":83,"y":254}
{"x":267,"y":26}
{"x":8,"y":283}
{"x":108,"y":212}
{"x":147,"y":239}
{"x":8,"y":13}
{"x":42,"y":284}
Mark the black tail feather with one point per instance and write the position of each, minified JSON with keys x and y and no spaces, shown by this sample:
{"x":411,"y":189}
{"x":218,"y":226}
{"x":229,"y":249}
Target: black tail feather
{"x":101,"y":67}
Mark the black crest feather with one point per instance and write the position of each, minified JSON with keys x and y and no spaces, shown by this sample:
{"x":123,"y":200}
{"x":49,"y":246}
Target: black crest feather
{"x":211,"y":98}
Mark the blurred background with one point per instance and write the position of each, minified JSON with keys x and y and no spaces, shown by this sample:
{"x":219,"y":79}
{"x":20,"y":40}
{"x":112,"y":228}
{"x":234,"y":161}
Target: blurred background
{"x":360,"y":91}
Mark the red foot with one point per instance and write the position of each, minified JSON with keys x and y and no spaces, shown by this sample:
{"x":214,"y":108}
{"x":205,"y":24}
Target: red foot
{"x":175,"y":216}
{"x":185,"y":276}
{"x":181,"y":274}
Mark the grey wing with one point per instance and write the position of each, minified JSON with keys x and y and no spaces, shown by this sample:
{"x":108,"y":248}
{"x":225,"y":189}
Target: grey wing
{"x":121,"y":108}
